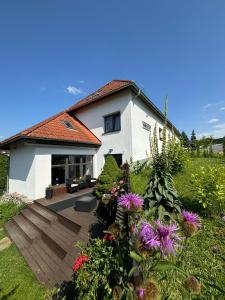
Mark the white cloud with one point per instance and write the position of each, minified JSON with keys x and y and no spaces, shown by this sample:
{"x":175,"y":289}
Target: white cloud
{"x":208,"y":105}
{"x":73,"y":90}
{"x":81,"y":81}
{"x":1,"y":137}
{"x":219,"y":126}
{"x":222,"y":108}
{"x":214,"y":120}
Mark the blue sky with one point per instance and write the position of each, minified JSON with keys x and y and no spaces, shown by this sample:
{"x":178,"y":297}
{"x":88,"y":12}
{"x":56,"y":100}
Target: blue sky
{"x":54,"y":52}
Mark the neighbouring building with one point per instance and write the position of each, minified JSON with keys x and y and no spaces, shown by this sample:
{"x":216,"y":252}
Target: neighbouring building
{"x":117,"y":119}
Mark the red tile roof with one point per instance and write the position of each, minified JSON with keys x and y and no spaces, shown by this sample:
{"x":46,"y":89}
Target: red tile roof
{"x":109,"y":88}
{"x":54,"y":129}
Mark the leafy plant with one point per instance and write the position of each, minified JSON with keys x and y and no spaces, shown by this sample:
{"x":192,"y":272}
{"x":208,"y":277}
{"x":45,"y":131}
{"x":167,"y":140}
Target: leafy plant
{"x":176,"y":154}
{"x":104,"y":269}
{"x":110,"y":174}
{"x":161,"y":196}
{"x":209,"y":188}
{"x":3,"y":171}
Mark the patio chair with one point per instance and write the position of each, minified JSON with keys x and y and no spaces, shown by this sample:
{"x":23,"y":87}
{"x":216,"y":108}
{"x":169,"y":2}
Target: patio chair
{"x":71,"y":186}
{"x":91,"y":182}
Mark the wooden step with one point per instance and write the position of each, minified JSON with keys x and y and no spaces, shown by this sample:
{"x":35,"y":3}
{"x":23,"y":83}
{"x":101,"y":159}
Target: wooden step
{"x":15,"y":235}
{"x":47,"y":242}
{"x":43,"y":213}
{"x":29,"y":232}
{"x":75,"y":227}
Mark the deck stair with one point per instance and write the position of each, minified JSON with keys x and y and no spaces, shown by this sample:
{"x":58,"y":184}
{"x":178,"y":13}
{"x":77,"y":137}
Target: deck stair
{"x":46,"y":241}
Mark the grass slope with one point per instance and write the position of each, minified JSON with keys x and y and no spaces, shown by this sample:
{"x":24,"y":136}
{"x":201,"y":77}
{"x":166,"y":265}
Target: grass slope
{"x":17,"y":281}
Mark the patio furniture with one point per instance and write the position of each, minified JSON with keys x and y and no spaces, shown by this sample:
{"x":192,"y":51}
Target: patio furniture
{"x":71,"y":186}
{"x":85,"y":203}
{"x":82,"y":183}
{"x":91,"y":182}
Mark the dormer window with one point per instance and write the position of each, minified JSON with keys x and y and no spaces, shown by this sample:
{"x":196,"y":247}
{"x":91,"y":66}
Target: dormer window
{"x":112,"y":123}
{"x":68,"y":125}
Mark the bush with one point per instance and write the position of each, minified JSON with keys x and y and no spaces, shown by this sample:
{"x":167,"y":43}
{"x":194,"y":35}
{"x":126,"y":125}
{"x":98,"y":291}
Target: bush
{"x":177,"y":155}
{"x":139,"y":181}
{"x":8,"y":210}
{"x":3,"y":171}
{"x":111,"y":173}
{"x":209,"y":188}
{"x":102,"y":271}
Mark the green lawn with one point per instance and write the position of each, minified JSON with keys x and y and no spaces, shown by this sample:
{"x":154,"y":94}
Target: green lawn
{"x":205,"y":255}
{"x":206,"y":251}
{"x":16,"y":279}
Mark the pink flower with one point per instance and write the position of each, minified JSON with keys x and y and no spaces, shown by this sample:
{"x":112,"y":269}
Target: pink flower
{"x":167,"y":237}
{"x":131,"y":202}
{"x":140,"y":292}
{"x":121,"y":181}
{"x":191,"y":218}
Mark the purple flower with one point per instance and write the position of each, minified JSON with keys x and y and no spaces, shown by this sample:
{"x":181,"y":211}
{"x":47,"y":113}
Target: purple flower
{"x":223,"y":218}
{"x":131,"y":202}
{"x":149,"y":236}
{"x":191,"y":217}
{"x":140,"y":292}
{"x":167,"y":237}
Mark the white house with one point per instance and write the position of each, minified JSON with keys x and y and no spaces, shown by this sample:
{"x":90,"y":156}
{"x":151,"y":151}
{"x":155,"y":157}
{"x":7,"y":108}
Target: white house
{"x":116,"y":119}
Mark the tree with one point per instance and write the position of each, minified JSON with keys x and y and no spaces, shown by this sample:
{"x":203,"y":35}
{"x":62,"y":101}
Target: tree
{"x":185,"y":139}
{"x":224,"y":146}
{"x":193,"y":143}
{"x":111,"y":173}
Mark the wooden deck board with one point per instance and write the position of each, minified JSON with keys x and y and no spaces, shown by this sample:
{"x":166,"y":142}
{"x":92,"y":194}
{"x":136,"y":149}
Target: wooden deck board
{"x":47,"y":238}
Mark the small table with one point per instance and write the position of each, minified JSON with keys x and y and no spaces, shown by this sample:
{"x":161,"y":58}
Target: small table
{"x":85,"y":203}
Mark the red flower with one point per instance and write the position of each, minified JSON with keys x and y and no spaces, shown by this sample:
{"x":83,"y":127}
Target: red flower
{"x":108,"y":237}
{"x":79,"y":262}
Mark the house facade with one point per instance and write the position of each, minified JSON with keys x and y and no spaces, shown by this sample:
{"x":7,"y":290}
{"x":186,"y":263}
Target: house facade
{"x":116,"y":120}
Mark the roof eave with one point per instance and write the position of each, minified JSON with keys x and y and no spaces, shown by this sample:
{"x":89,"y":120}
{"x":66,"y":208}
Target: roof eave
{"x":47,"y":141}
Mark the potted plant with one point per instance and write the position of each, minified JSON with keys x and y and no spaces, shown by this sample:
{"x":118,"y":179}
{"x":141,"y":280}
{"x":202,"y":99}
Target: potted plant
{"x":49,"y":192}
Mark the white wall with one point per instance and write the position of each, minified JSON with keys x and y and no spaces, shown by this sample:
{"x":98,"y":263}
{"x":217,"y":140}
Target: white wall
{"x":30,"y":167}
{"x":22,"y":171}
{"x":141,"y":137}
{"x":93,"y":117}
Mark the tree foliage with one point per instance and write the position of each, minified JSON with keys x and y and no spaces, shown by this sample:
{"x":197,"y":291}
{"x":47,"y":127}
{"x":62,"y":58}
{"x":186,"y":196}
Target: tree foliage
{"x":185,"y":139}
{"x":110,"y":174}
{"x":3,"y":171}
{"x":193,"y":142}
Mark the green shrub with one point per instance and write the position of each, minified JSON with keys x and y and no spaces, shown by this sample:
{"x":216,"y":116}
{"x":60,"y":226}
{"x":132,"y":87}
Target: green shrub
{"x":3,"y":171}
{"x":101,"y":273}
{"x":139,"y":181}
{"x":177,"y":156}
{"x":209,"y":187}
{"x":161,"y":196}
{"x":8,"y":210}
{"x":111,"y":173}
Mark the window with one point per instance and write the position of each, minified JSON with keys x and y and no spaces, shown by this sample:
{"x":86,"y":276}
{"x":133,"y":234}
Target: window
{"x":146,"y":126}
{"x":68,"y":125}
{"x":70,"y":166}
{"x":112,"y":123}
{"x":160,"y":134}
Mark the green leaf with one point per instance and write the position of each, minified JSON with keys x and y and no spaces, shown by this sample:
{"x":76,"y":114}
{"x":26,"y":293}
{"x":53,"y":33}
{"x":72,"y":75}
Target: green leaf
{"x":135,"y":256}
{"x":166,"y":265}
{"x":132,"y":271}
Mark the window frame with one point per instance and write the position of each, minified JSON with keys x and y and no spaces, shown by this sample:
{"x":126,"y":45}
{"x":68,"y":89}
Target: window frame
{"x":113,"y":115}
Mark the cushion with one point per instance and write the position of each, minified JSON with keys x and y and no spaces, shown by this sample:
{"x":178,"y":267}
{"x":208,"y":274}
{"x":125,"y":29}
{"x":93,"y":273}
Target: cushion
{"x":74,"y":184}
{"x":85,"y":203}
